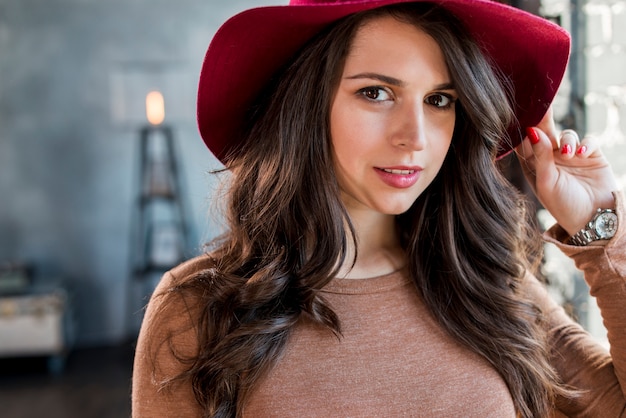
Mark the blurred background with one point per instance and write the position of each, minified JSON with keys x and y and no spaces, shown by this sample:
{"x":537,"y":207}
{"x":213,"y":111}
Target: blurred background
{"x":105,"y":183}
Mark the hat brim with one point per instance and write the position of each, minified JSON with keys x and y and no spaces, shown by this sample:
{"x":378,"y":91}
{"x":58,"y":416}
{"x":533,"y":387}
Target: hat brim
{"x":252,"y":45}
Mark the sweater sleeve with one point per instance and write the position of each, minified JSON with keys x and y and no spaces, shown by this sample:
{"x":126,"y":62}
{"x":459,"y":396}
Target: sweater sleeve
{"x":166,"y":338}
{"x":580,"y":360}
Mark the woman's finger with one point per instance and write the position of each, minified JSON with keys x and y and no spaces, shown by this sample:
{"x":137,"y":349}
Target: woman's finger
{"x":587,"y":146}
{"x":568,"y":143}
{"x":548,"y":126}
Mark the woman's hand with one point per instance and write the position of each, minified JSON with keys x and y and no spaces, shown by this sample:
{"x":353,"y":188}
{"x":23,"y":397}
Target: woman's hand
{"x":571,"y":178}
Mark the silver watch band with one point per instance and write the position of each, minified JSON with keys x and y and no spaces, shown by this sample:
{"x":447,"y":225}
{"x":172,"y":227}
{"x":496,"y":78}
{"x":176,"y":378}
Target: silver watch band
{"x":583,"y":237}
{"x":602,"y":225}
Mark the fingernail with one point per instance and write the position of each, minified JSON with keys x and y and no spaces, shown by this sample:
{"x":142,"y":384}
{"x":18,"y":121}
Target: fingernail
{"x":532,"y":135}
{"x":582,"y":150}
{"x":566,"y":149}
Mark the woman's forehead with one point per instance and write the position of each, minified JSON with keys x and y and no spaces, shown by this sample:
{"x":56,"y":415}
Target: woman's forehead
{"x":393,"y":47}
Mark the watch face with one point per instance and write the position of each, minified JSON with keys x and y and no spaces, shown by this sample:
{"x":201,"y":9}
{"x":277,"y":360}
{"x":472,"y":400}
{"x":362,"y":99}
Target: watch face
{"x":606,"y":225}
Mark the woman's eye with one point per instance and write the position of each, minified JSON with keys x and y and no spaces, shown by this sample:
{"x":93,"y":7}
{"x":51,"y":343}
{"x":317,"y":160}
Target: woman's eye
{"x":442,"y":101}
{"x":378,"y":94}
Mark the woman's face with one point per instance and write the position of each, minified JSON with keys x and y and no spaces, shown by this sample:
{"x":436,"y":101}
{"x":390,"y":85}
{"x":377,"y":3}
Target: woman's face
{"x":392,"y":117}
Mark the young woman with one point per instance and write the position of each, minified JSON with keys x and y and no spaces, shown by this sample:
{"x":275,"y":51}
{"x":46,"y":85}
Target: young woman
{"x":376,"y":262}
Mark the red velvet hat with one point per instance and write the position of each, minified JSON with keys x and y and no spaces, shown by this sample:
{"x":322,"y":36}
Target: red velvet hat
{"x":251,"y":46}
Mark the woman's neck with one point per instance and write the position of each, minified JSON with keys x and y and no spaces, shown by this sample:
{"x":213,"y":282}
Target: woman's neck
{"x":379,"y":250}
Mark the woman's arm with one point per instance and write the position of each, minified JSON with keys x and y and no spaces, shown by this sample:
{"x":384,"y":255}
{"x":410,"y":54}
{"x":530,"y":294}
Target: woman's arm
{"x":579,"y":359}
{"x":572,"y":179}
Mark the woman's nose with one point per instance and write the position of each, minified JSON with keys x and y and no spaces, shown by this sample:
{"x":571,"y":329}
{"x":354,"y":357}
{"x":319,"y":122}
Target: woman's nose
{"x":408,"y":130}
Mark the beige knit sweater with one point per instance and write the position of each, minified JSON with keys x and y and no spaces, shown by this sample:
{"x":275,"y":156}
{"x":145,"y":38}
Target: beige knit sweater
{"x":394,"y":360}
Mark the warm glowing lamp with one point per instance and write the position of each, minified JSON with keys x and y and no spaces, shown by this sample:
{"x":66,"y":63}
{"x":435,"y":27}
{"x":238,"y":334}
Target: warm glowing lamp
{"x":155,"y":108}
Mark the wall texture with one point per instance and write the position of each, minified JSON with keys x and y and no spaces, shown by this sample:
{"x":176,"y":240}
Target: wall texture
{"x":69,"y":133}
{"x":605,"y":99}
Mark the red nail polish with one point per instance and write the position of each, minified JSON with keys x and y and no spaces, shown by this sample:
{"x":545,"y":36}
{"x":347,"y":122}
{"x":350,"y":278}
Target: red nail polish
{"x":566,"y":149}
{"x":532,"y":135}
{"x":582,"y":150}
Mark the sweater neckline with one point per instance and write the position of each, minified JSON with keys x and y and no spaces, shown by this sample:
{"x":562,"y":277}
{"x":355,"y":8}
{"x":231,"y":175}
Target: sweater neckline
{"x":377,"y":284}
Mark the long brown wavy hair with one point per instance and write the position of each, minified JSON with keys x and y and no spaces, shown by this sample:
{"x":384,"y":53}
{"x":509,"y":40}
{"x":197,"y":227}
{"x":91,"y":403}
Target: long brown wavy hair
{"x":467,"y":237}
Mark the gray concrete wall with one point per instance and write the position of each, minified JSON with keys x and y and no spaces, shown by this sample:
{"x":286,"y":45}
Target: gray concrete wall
{"x":605,"y":99}
{"x":69,"y":132}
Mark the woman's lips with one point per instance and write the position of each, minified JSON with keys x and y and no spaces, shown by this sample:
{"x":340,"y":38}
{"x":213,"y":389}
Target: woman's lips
{"x":399,"y":177}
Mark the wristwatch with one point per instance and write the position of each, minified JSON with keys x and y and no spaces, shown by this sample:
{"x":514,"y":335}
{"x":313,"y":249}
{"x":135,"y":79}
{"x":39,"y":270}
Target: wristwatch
{"x":603,"y":225}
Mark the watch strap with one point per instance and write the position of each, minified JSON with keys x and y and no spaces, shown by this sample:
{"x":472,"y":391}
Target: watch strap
{"x":583,"y":237}
{"x":588,"y":234}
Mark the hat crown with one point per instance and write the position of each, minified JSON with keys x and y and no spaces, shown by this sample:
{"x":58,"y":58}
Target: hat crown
{"x":322,"y":2}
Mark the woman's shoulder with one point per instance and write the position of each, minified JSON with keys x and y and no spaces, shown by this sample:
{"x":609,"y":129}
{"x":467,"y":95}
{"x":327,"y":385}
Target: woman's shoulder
{"x":169,"y":332}
{"x":179,"y":292}
{"x":194,"y":267}
{"x":186,"y":275}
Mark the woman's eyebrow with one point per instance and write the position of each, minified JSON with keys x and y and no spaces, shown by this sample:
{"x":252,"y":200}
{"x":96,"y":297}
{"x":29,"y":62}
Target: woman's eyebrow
{"x":380,"y":77}
{"x":396,"y":82}
{"x":445,"y":86}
